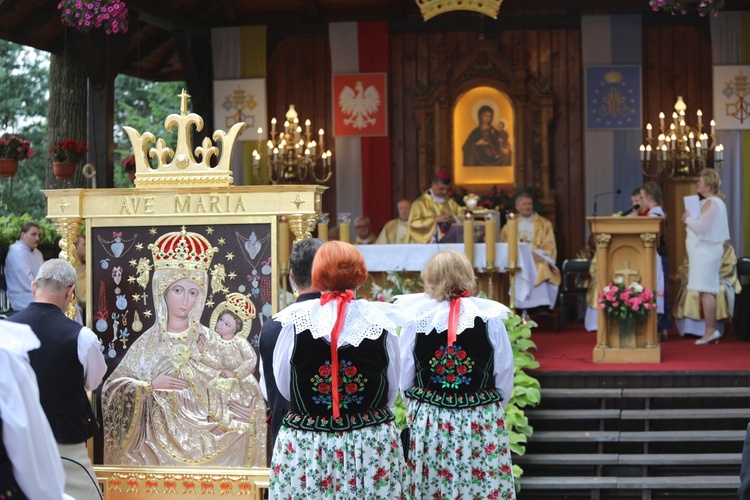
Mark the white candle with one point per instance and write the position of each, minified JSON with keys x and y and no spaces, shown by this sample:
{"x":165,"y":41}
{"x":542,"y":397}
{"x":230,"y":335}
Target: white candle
{"x":682,"y":127}
{"x":692,"y":139}
{"x":713,"y":127}
{"x":273,"y":125}
{"x":661,"y":120}
{"x":643,"y":152}
{"x":648,"y":152}
{"x":664,"y":153}
{"x":698,"y":147}
{"x":307,"y":126}
{"x":648,"y":130}
{"x":700,"y":117}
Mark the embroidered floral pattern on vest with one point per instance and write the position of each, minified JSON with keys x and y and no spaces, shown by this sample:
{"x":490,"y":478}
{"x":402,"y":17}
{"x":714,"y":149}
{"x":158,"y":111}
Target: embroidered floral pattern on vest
{"x":351,"y":383}
{"x":452,"y":367}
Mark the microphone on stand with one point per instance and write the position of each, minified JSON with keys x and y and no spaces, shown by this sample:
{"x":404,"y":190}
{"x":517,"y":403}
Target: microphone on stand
{"x":616,"y":191}
{"x":632,"y":209}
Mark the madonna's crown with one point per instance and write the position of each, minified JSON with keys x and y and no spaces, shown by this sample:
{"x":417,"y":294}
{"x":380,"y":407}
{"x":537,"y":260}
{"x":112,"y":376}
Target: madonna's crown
{"x":179,"y":166}
{"x":431,"y":8}
{"x":182,"y":250}
{"x":241,"y":306}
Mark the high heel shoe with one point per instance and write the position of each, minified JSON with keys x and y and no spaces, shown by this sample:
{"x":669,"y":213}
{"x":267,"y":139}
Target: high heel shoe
{"x":714,"y":336}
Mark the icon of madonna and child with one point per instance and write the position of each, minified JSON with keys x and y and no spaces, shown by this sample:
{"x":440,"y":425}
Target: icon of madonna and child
{"x":185,"y":394}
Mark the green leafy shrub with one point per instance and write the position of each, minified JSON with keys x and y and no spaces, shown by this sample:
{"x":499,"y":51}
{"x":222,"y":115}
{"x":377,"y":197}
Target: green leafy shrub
{"x":10,"y":230}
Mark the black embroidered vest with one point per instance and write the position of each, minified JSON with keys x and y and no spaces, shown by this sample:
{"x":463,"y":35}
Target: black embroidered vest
{"x":460,"y":376}
{"x":59,"y":373}
{"x":363,"y":385}
{"x":8,"y":485}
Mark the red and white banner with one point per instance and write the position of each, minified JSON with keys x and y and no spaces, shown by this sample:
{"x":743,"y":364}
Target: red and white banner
{"x":363,"y":173}
{"x":360,"y":105}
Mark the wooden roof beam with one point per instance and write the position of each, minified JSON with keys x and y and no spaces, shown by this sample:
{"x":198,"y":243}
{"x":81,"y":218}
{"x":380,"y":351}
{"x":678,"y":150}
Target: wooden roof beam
{"x":150,"y":13}
{"x":7,"y":5}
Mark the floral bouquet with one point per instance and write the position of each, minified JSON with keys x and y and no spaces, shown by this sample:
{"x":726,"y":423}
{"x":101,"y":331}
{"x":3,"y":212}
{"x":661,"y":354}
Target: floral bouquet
{"x":705,"y":7}
{"x":85,"y":15}
{"x":12,"y":146}
{"x":620,"y":302}
{"x":68,"y":151}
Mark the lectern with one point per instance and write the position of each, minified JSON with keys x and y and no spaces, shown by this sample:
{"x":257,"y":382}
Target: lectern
{"x":626,"y":248}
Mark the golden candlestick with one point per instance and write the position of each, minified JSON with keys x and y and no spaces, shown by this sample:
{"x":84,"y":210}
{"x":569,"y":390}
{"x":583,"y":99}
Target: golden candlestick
{"x":490,"y":269}
{"x":512,"y":270}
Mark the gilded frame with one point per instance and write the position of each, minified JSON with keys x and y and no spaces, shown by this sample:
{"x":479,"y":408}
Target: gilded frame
{"x":477,"y":166}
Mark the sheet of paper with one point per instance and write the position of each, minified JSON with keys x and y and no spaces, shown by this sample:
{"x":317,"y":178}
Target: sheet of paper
{"x":693,"y":206}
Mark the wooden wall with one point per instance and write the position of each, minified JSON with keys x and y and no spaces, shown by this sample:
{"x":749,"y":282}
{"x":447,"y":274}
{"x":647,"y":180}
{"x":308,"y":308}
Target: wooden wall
{"x":676,"y":61}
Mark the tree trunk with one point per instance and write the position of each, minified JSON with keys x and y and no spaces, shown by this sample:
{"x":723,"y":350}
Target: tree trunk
{"x":67,"y":107}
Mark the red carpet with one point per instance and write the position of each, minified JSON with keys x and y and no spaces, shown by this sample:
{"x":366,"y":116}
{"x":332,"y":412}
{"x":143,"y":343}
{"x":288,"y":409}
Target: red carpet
{"x":571,"y":350}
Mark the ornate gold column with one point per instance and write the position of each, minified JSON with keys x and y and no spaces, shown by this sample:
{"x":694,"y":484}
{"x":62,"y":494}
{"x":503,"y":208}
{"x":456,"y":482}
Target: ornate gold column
{"x":602,"y":278}
{"x":68,"y":228}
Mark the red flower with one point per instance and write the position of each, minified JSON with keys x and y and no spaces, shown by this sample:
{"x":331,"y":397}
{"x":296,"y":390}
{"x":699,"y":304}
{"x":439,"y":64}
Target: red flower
{"x":353,"y":481}
{"x":350,"y":371}
{"x":462,"y":369}
{"x":440,"y":369}
{"x":461,"y":354}
{"x":505,"y":469}
{"x":450,"y":351}
{"x":324,"y":388}
{"x":324,"y":371}
{"x":276,"y":469}
{"x":303,"y":478}
{"x":450,"y":377}
{"x":450,"y":363}
{"x":439,"y":354}
{"x":352,"y":388}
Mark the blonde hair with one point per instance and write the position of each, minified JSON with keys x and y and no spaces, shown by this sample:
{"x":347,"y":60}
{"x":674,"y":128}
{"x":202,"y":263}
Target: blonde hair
{"x":448,"y":273}
{"x":711,"y":179}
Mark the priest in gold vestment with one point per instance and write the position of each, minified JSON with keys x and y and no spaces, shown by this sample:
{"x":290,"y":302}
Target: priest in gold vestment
{"x":155,"y":403}
{"x":433,"y":213}
{"x":395,"y":230}
{"x":535,"y":229}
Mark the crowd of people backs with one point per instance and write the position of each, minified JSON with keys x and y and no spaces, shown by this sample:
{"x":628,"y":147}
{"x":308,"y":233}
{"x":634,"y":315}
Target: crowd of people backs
{"x":340,"y":364}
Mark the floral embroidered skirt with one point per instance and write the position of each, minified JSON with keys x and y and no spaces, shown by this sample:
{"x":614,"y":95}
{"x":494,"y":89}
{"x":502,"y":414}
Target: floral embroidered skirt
{"x":365,"y":463}
{"x":459,"y":453}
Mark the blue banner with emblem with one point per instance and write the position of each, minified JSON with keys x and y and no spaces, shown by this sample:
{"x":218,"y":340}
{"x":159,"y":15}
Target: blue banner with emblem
{"x":613,"y":97}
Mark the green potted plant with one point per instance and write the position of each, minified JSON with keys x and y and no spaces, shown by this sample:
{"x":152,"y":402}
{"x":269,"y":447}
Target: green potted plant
{"x":66,"y":155}
{"x":12,"y":150}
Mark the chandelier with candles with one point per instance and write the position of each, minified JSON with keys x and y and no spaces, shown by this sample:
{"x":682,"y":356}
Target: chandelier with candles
{"x":680,"y":149}
{"x":293,"y":156}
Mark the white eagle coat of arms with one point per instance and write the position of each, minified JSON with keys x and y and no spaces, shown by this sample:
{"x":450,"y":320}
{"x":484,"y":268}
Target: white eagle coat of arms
{"x":358,"y":104}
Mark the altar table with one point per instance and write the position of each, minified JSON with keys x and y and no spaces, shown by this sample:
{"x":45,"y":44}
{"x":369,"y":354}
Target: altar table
{"x":412,"y":257}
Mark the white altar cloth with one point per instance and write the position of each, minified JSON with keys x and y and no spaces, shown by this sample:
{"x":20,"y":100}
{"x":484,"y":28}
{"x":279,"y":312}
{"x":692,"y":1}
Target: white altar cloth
{"x":412,"y":257}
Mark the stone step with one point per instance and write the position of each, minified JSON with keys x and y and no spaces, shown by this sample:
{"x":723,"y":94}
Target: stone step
{"x":574,"y":459}
{"x":611,"y":414}
{"x":669,"y":392}
{"x":631,"y":483}
{"x":643,"y":437}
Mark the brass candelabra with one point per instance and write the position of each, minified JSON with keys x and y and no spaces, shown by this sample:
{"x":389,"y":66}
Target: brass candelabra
{"x":680,"y":149}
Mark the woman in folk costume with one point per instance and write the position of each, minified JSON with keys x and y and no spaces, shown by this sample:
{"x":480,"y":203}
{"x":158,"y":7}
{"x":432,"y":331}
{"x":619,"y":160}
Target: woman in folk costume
{"x":337,"y":361}
{"x":459,"y":364}
{"x":155,"y":407}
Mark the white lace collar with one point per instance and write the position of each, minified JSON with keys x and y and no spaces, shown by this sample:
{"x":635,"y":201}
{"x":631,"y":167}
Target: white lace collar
{"x":429,"y":314}
{"x":18,"y":338}
{"x":364,"y":320}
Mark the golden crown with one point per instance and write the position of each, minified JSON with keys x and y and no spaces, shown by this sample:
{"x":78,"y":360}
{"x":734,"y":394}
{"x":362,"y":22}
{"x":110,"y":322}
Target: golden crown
{"x":182,"y":250}
{"x":179,"y":166}
{"x":432,"y":8}
{"x":613,"y":77}
{"x":240,"y":305}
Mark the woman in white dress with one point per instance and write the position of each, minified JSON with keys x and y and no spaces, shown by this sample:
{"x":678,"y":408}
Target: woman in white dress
{"x":705,"y":244}
{"x":337,"y":361}
{"x":457,"y":375}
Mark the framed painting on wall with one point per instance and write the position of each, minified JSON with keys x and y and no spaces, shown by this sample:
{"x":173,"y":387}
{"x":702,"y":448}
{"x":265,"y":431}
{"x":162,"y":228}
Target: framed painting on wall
{"x":483,"y":138}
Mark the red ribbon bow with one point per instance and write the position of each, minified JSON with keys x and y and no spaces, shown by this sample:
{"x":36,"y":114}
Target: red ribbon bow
{"x":342,"y":299}
{"x":453,"y":314}
{"x":116,"y":234}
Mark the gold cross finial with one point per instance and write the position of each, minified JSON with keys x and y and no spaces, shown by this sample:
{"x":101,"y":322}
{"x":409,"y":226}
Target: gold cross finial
{"x":298,"y":201}
{"x":626,"y":272}
{"x":183,"y":102}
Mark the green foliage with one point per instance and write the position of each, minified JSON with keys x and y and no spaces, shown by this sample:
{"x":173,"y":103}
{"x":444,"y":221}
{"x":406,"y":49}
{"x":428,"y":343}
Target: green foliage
{"x":10,"y":230}
{"x":24,"y":82}
{"x":526,"y":389}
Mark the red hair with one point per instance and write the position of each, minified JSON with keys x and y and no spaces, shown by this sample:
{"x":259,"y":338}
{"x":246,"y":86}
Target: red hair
{"x":338,"y":266}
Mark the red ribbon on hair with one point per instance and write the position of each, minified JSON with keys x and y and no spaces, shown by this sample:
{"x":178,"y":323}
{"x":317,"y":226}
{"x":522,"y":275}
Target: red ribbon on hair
{"x":342,"y":299}
{"x":453,"y":314}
